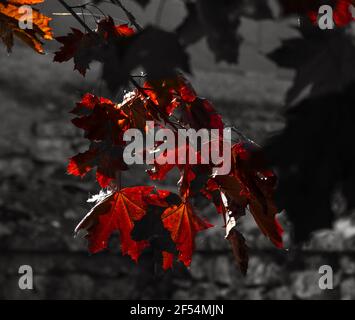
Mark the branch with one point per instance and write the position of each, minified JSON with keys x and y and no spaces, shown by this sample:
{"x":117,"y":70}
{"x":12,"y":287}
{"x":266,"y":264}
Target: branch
{"x":132,"y":19}
{"x":74,"y":14}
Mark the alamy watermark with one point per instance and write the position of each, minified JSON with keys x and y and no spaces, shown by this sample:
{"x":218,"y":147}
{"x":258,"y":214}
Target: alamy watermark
{"x":26,"y":19}
{"x":325,"y":18}
{"x":25,"y":281}
{"x":326,"y":281}
{"x":187,"y":146}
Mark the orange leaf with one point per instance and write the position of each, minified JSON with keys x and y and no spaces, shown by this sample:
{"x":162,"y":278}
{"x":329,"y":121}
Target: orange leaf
{"x":24,"y":2}
{"x":10,"y":15}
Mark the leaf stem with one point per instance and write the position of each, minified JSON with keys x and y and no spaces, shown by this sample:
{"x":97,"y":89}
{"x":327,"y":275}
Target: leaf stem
{"x":73,"y":13}
{"x":119,"y":180}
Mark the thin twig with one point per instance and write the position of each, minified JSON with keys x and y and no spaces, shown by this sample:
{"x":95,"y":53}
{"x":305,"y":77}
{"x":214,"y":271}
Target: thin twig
{"x":239,"y":133}
{"x":119,"y":180}
{"x":129,"y":15}
{"x":73,"y":13}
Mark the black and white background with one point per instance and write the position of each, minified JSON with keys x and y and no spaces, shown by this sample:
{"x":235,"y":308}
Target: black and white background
{"x":40,"y":204}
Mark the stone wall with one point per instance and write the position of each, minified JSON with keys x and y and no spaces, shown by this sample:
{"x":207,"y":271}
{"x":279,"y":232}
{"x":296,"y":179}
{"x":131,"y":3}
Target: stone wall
{"x":40,"y":205}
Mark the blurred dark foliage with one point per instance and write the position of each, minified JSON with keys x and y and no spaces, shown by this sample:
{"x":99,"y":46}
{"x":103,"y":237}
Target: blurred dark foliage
{"x":314,"y":154}
{"x":314,"y":157}
{"x":323,"y":60}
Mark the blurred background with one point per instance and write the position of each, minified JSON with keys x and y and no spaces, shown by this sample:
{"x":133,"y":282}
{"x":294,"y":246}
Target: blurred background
{"x":40,"y":204}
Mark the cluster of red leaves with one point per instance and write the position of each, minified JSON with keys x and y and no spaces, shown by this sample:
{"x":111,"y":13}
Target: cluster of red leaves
{"x":169,"y":222}
{"x":168,"y":103}
{"x":142,"y":215}
{"x":120,"y":210}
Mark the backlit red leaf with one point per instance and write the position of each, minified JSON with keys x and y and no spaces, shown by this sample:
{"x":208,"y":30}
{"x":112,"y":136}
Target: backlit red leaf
{"x":183,"y":225}
{"x":118,"y":211}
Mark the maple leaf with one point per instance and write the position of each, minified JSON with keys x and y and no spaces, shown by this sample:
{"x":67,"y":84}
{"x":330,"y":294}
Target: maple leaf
{"x":218,"y":22}
{"x":158,"y":52}
{"x":151,"y":229}
{"x":121,"y":51}
{"x":106,"y":157}
{"x":136,"y":110}
{"x":177,"y":94}
{"x":323,"y":62}
{"x":117,"y":211}
{"x":193,"y":179}
{"x":168,"y":94}
{"x":193,"y":176}
{"x":10,"y":15}
{"x":84,"y":48}
{"x":77,"y":46}
{"x":253,"y":185}
{"x":183,"y":225}
{"x":200,"y":114}
{"x":178,"y":217}
{"x":104,"y":124}
{"x":231,"y":203}
{"x":102,"y":119}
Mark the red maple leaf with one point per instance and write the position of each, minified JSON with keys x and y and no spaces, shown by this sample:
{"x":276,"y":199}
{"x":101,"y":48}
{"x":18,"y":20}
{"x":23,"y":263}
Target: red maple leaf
{"x":178,"y":94}
{"x":117,"y":211}
{"x":107,"y":158}
{"x":169,"y":94}
{"x":252,"y":184}
{"x":104,"y":124}
{"x":189,"y":170}
{"x":200,"y":114}
{"x":183,"y":225}
{"x":105,"y":121}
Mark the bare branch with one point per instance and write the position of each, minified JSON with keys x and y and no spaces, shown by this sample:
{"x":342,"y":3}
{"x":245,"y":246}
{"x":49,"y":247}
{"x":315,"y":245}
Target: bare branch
{"x":74,"y":14}
{"x":129,"y":14}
